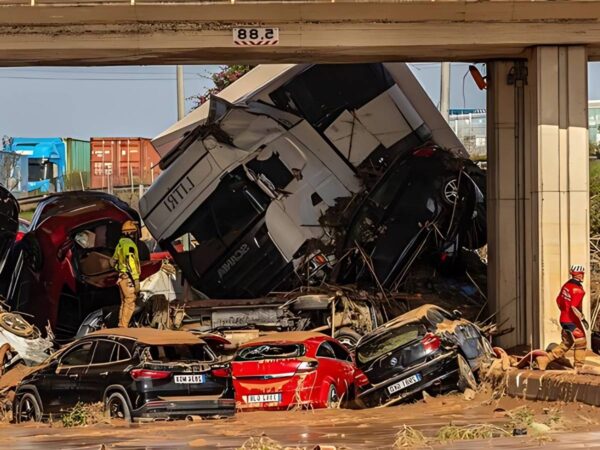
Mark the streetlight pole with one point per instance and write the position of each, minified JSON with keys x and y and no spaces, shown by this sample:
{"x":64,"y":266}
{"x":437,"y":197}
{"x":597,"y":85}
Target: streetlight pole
{"x":445,"y":90}
{"x":180,"y":94}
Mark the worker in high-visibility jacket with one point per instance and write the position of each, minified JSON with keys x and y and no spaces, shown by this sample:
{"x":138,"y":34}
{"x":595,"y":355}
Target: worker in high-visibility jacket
{"x":126,"y":262}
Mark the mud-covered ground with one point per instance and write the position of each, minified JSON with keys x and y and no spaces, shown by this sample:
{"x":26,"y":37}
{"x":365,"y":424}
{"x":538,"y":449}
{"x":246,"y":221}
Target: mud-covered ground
{"x":572,"y":426}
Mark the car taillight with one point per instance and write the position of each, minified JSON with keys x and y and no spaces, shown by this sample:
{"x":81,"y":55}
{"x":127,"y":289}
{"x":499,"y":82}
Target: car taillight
{"x":307,"y":366}
{"x":424,"y":152}
{"x":221,"y":372}
{"x":430,"y":342}
{"x":139,"y":374}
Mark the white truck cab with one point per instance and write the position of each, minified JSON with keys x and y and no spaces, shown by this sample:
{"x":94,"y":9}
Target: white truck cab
{"x":248,"y":175}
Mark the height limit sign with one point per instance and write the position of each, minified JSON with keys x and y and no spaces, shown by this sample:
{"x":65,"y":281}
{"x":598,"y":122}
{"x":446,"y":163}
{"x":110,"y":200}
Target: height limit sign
{"x":255,"y":36}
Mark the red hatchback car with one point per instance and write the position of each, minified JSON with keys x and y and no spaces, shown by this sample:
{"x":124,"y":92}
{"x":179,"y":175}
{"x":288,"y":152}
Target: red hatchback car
{"x":294,"y":369}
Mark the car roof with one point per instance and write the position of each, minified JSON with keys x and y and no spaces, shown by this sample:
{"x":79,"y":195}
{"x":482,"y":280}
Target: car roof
{"x":150,"y":336}
{"x":287,"y":336}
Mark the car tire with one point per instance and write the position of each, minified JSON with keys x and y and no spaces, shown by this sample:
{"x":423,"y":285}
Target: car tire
{"x":116,"y":407}
{"x":466,"y":377}
{"x":28,"y":408}
{"x":348,"y":337}
{"x":333,"y":399}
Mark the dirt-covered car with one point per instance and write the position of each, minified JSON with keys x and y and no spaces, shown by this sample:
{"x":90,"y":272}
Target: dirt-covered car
{"x":427,"y":201}
{"x":9,"y":223}
{"x":60,"y":270}
{"x":137,"y":373}
{"x":426,"y":349}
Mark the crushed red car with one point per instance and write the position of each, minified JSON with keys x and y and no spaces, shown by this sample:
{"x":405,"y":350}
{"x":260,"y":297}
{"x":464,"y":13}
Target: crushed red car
{"x":60,"y":270}
{"x":9,"y":223}
{"x":294,"y":369}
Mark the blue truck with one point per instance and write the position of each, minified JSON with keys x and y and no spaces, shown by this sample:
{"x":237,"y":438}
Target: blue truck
{"x":51,"y":164}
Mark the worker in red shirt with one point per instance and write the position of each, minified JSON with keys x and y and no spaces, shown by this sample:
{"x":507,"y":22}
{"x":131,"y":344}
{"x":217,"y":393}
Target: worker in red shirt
{"x":572,"y":321}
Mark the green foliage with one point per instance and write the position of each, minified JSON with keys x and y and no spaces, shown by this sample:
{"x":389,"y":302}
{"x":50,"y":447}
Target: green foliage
{"x":220,"y":80}
{"x":83,"y":414}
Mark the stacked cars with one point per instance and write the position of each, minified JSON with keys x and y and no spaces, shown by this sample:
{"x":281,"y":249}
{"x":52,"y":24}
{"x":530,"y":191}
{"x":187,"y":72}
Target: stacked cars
{"x":60,"y":269}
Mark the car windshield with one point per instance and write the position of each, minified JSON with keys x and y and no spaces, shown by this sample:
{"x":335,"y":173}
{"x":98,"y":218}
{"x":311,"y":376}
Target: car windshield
{"x":174,"y":353}
{"x":389,"y":340}
{"x":270,"y":351}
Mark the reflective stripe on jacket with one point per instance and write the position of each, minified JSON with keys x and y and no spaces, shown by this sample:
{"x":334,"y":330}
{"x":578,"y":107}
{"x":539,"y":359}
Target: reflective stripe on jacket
{"x":127,"y":258}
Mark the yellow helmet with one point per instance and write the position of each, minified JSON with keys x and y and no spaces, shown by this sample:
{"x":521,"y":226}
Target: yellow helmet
{"x":129,"y":226}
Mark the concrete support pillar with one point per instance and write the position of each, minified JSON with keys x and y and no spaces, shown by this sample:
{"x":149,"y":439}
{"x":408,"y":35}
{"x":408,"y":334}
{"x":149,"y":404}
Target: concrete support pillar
{"x":538,"y":187}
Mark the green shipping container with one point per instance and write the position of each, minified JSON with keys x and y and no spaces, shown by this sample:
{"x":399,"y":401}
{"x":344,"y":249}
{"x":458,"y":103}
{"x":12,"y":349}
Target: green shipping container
{"x":78,"y":164}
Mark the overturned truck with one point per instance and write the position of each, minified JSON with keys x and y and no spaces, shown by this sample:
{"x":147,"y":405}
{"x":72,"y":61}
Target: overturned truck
{"x":300,"y":175}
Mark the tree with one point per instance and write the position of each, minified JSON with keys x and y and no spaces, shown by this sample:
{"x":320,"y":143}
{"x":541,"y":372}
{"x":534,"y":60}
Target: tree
{"x":221,"y":79}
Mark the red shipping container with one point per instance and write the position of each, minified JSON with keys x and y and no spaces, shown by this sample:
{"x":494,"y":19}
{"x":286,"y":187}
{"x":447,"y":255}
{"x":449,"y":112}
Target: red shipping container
{"x":122,"y":161}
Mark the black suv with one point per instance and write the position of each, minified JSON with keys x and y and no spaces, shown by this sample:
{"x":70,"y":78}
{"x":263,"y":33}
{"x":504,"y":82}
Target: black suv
{"x":138,"y":373}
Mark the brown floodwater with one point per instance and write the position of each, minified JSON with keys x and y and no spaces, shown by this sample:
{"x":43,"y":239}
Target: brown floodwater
{"x":355,"y":429}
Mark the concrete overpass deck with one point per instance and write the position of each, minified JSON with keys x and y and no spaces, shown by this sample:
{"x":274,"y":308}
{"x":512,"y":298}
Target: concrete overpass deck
{"x":62,"y":32}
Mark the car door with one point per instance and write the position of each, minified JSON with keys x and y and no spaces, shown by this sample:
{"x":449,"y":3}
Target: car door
{"x":60,"y":389}
{"x":95,"y":380}
{"x":331,"y":369}
{"x":349,"y":371}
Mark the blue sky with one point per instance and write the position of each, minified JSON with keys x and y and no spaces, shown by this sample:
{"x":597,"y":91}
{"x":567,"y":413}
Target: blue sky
{"x":141,"y":101}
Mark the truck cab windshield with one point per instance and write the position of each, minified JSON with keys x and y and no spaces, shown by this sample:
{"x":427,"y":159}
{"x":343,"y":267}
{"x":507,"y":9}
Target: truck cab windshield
{"x":40,"y":169}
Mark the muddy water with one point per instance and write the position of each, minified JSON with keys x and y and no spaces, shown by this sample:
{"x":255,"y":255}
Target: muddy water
{"x":366,"y":429}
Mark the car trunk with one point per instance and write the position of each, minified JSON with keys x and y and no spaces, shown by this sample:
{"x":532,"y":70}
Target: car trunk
{"x":185,"y":379}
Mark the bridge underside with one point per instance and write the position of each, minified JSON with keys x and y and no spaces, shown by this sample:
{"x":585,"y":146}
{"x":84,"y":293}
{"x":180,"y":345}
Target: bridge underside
{"x":537,"y":54}
{"x":309,"y":32}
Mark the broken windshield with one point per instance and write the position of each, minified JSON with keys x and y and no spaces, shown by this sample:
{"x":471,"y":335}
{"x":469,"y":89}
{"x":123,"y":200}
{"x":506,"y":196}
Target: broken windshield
{"x":389,"y":340}
{"x":270,"y":351}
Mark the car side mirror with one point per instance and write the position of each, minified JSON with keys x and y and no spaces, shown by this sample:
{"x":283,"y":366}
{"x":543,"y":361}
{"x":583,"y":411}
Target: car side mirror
{"x":457,"y":314}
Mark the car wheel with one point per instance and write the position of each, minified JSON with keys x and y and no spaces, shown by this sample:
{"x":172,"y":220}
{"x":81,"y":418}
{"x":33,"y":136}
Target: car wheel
{"x":466,"y":377}
{"x":116,"y":407}
{"x":333,"y":400}
{"x":28,"y":409}
{"x":348,"y":337}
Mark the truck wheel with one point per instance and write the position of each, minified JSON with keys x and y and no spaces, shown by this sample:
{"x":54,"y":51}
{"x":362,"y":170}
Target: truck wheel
{"x":348,"y":337}
{"x":28,"y":409}
{"x":466,"y":378}
{"x":116,"y":407}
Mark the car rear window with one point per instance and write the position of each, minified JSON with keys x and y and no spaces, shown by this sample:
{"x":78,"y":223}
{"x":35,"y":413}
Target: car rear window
{"x":389,"y":341}
{"x":173,"y":353}
{"x":270,"y":351}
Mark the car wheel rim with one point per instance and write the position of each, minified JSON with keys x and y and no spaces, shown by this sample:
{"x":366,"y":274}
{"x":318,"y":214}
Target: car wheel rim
{"x":451,"y":191}
{"x":116,"y":409}
{"x":333,"y":397}
{"x":348,"y":341}
{"x":27,"y":412}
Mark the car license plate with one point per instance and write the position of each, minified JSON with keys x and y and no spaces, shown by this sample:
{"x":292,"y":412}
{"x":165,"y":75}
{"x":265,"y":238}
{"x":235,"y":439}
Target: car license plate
{"x":264,"y":398}
{"x":403,"y":384}
{"x":189,"y":379}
